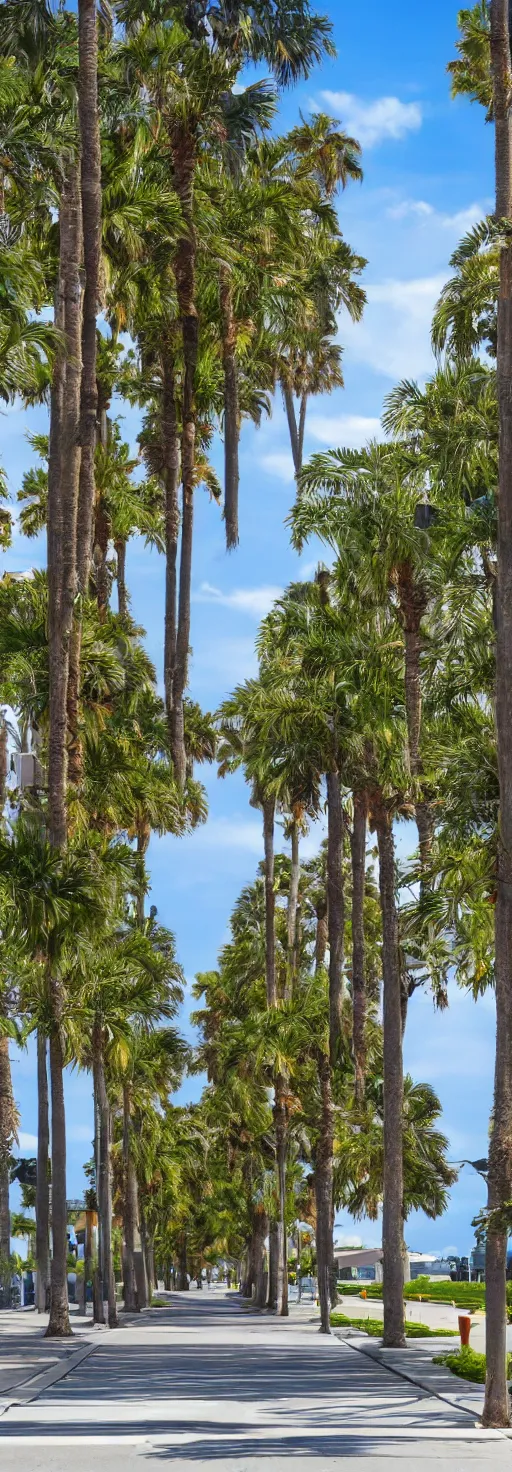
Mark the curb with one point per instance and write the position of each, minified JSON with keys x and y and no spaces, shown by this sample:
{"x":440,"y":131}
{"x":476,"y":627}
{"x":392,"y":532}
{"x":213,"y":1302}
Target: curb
{"x":30,"y":1388}
{"x":423,"y":1383}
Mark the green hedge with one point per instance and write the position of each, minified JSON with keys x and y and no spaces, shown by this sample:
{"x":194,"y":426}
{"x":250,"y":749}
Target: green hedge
{"x":468,"y":1364}
{"x":351,"y":1288}
{"x":426,"y":1290}
{"x":374,"y":1328}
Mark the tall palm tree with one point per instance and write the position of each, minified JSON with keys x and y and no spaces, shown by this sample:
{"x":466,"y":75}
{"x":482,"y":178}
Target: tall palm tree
{"x":147,"y":1070}
{"x":496,"y":1410}
{"x":360,"y":501}
{"x":52,"y":902}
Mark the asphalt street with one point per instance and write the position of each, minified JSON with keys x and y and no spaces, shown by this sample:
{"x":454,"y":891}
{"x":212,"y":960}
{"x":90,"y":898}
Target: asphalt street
{"x":205,"y":1383}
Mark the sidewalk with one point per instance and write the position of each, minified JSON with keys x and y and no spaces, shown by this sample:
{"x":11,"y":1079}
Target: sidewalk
{"x":205,"y":1383}
{"x":29,"y":1362}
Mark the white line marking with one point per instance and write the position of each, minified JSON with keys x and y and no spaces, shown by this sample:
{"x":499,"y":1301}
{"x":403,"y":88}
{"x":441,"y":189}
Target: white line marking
{"x":252,"y":1433}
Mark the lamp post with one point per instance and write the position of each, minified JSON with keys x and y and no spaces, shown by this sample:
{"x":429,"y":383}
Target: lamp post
{"x":481,"y":1167}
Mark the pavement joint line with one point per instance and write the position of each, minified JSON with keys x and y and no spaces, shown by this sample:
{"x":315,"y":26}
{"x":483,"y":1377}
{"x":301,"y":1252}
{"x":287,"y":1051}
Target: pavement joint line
{"x":425,"y":1385}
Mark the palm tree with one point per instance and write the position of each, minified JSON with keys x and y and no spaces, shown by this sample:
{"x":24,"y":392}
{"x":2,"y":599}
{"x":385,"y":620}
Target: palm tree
{"x":319,"y":157}
{"x":134,"y":981}
{"x":150,"y":1067}
{"x":496,"y":1410}
{"x":52,"y":901}
{"x":360,"y":501}
{"x":359,"y":1154}
{"x":8,"y":1133}
{"x":90,"y":192}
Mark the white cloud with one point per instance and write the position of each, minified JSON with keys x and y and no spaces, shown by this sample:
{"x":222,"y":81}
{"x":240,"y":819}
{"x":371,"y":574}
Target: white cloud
{"x":27,"y":1142}
{"x":279,"y":463}
{"x":410,"y":207}
{"x":79,"y":1134}
{"x":231,"y":833}
{"x":474,"y":1060}
{"x":255,"y":601}
{"x":372,"y":122}
{"x":352,"y":430}
{"x":308,"y":569}
{"x":221,"y":663}
{"x":457,"y":223}
{"x":246,"y":833}
{"x":394,"y":335}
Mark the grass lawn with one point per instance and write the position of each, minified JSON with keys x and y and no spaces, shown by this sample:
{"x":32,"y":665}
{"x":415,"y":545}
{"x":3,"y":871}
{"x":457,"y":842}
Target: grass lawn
{"x":373,"y":1327}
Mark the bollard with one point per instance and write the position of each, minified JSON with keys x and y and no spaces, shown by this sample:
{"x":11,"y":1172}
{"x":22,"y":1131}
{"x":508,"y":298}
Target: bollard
{"x":464,"y":1329}
{"x":364,"y":1293}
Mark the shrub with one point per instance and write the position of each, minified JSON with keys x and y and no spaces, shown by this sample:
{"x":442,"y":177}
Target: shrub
{"x":468,"y":1364}
{"x":373,"y":1327}
{"x":352,"y":1288}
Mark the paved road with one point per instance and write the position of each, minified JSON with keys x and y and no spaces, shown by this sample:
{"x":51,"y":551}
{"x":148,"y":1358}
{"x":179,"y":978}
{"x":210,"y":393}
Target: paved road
{"x":205,"y":1384}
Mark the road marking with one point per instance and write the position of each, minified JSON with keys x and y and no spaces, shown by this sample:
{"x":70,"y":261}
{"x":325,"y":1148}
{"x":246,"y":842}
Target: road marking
{"x":257,"y":1433}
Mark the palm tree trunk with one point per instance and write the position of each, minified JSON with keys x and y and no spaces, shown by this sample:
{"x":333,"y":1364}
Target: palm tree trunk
{"x":413,"y":605}
{"x":413,"y":701}
{"x":42,"y":1179}
{"x":273,"y":1264}
{"x":89,"y":1256}
{"x":149,"y":1254}
{"x":231,"y":408}
{"x":63,"y":477}
{"x":323,"y":1192}
{"x":260,"y":1277}
{"x":281,"y":1133}
{"x":182,"y":1284}
{"x":129,"y":1211}
{"x":496,"y":1408}
{"x":289,"y":404}
{"x":293,"y":903}
{"x":3,"y":761}
{"x":179,"y":754}
{"x":248,"y":1274}
{"x":59,"y":1324}
{"x":321,"y":934}
{"x":98,"y":1305}
{"x":122,"y":591}
{"x":90,"y":181}
{"x":104,"y":1176}
{"x":393,"y":1202}
{"x":184,"y":164}
{"x":171,"y":450}
{"x":358,"y":847}
{"x":90,"y":189}
{"x":7,"y":1127}
{"x":148,"y":1275}
{"x":102,"y":533}
{"x":302,"y":426}
{"x":335,"y":910}
{"x":143,"y":838}
{"x":269,"y":809}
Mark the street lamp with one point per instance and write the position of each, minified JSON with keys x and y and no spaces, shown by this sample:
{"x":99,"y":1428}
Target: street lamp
{"x":481,"y":1167}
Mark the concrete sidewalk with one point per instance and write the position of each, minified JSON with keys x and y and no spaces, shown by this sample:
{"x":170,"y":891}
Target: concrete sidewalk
{"x":29,"y":1361}
{"x":204,"y":1381}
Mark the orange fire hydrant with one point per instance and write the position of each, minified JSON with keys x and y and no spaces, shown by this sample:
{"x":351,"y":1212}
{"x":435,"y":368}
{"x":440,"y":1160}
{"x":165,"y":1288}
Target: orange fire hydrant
{"x":464,"y":1329}
{"x":364,"y":1293}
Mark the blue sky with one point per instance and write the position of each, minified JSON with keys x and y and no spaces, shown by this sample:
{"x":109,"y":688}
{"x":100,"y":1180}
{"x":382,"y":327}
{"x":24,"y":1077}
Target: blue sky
{"x":427,"y":178}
